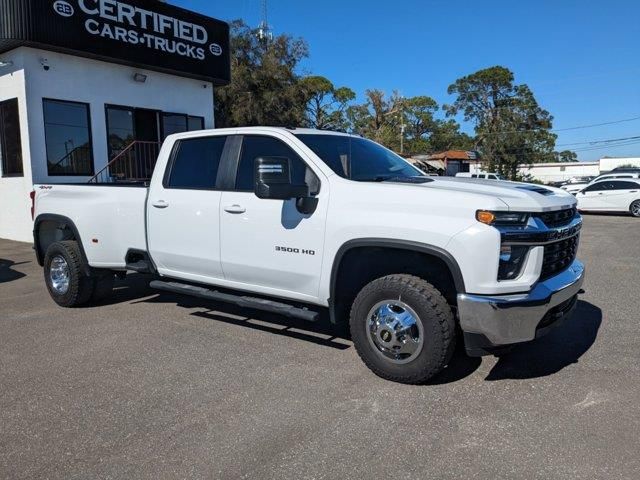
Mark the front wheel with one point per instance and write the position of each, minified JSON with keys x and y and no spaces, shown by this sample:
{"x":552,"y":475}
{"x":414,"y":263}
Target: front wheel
{"x":635,"y":208}
{"x":402,"y":328}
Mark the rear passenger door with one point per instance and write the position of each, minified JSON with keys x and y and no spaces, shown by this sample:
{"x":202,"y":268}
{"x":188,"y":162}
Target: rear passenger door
{"x":268,"y":245}
{"x":621,"y":195}
{"x":183,"y":212}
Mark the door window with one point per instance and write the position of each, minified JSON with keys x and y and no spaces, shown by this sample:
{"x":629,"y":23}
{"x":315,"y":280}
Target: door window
{"x":195,"y":163}
{"x":618,"y":185}
{"x":262,"y":146}
{"x":597,"y":187}
{"x":120,"y":129}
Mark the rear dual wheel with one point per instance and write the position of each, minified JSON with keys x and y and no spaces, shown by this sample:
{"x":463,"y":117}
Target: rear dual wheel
{"x":65,"y":275}
{"x":403,"y":328}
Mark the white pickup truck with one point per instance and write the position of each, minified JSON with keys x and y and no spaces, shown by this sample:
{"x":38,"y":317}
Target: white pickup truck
{"x":300,"y":221}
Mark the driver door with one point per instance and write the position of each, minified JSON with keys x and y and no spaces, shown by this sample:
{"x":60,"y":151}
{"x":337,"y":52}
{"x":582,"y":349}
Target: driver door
{"x":268,"y":245}
{"x":592,"y":197}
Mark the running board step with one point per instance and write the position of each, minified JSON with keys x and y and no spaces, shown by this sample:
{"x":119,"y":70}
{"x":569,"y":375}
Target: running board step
{"x":245,"y":302}
{"x":141,"y":266}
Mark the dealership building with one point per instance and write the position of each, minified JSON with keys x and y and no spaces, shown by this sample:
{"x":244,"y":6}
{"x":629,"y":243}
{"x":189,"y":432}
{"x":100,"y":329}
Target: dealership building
{"x":87,"y":82}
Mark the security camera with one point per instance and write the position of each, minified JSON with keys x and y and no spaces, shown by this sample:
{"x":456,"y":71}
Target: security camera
{"x":45,"y":64}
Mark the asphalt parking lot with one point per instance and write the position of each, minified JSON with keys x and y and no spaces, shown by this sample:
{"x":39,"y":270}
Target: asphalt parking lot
{"x":162,"y":386}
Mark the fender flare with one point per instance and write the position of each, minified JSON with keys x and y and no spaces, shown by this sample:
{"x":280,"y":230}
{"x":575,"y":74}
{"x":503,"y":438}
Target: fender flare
{"x":64,"y":222}
{"x":437,"y":252}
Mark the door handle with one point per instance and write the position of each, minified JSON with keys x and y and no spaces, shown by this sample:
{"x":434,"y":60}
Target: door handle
{"x":160,"y":204}
{"x":234,"y":209}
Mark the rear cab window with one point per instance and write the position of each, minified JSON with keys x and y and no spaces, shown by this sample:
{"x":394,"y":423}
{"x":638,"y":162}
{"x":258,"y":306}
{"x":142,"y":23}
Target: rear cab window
{"x":195,"y":162}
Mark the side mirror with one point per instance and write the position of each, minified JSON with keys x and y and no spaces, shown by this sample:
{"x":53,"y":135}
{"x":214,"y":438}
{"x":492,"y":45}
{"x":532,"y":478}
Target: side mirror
{"x":273,"y":180}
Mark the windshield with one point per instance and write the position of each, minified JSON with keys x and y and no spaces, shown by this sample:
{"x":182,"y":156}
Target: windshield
{"x":360,"y":159}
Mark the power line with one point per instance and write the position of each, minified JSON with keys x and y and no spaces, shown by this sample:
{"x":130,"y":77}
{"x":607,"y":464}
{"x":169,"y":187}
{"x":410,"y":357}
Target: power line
{"x":592,"y":142}
{"x":615,"y":122}
{"x":624,"y":144}
{"x":596,"y":125}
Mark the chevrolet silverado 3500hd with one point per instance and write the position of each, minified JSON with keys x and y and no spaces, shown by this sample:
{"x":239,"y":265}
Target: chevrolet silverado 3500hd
{"x":296,"y":221}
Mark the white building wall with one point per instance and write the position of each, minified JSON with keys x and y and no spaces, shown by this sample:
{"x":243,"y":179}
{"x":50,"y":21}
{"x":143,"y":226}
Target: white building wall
{"x":608,"y":164}
{"x":80,"y":80}
{"x":15,"y":204}
{"x":558,"y":172}
{"x":98,"y":84}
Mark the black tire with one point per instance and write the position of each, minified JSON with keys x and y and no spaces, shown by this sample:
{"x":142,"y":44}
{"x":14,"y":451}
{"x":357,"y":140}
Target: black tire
{"x":103,"y":286}
{"x":81,"y":286}
{"x":433,"y":312}
{"x":634,"y":208}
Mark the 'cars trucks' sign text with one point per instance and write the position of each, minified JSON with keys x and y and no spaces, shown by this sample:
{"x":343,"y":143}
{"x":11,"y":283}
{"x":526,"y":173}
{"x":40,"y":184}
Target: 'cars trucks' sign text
{"x":145,"y":33}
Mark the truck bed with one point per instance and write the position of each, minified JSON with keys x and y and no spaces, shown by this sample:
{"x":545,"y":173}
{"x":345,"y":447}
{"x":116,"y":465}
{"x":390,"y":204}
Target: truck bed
{"x":109,"y":218}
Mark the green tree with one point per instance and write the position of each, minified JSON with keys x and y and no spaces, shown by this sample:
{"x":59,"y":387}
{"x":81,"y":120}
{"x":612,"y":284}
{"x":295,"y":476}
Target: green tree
{"x":265,"y":88}
{"x":418,"y":117}
{"x":511,"y":128}
{"x":566,"y":156}
{"x":326,"y":105}
{"x":446,"y":135}
{"x":378,"y":118}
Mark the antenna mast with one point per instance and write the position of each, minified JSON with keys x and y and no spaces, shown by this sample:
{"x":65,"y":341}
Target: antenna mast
{"x":264,"y":32}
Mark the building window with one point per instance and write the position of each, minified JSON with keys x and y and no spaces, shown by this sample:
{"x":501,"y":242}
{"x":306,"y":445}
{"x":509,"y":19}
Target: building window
{"x":10,"y":144}
{"x":196,"y":123}
{"x":68,"y":138}
{"x":179,"y":123}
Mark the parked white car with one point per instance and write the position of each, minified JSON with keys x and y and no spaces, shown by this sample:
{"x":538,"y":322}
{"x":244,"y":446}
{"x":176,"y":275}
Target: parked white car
{"x":577,"y":187}
{"x":611,"y":196}
{"x":574,"y":188}
{"x":485,"y":175}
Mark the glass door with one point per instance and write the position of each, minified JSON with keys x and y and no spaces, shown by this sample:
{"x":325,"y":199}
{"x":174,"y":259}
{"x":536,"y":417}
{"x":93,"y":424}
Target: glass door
{"x":121,"y":131}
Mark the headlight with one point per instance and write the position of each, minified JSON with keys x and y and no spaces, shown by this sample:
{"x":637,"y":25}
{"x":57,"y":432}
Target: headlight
{"x":502,"y":218}
{"x":512,"y":259}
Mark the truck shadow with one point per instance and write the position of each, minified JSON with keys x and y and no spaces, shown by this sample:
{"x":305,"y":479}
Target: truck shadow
{"x":136,"y":288}
{"x":7,"y":274}
{"x":562,"y":347}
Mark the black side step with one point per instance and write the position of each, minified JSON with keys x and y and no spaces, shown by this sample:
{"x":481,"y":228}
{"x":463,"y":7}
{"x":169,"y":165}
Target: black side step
{"x":245,"y":302}
{"x":141,"y":266}
{"x":139,"y":261}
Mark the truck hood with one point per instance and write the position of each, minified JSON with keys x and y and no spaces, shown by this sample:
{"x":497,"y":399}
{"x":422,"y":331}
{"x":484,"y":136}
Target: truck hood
{"x":522,"y":197}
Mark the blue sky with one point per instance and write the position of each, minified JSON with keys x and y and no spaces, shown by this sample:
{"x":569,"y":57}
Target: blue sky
{"x":581,"y":58}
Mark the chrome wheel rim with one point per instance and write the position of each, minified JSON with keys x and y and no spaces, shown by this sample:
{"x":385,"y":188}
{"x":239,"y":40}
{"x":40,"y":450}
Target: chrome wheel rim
{"x":59,"y":275}
{"x":635,"y":209}
{"x":395,"y":331}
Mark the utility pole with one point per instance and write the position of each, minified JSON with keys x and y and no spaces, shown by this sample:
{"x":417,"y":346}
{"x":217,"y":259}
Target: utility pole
{"x":402,"y":125}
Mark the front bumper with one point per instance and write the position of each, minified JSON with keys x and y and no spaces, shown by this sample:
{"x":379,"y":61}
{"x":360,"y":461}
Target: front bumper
{"x":490,"y":321}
